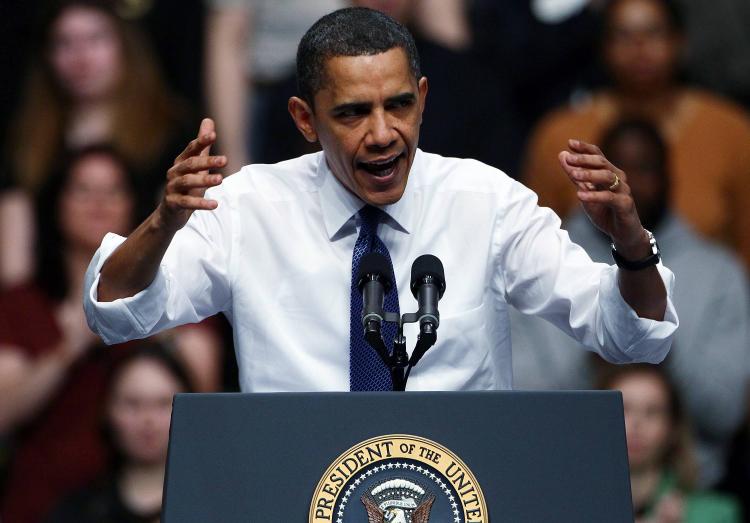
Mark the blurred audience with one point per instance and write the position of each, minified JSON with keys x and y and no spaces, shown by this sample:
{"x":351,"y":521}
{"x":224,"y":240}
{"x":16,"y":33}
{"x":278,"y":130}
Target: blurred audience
{"x":92,"y":80}
{"x":718,"y":45}
{"x":710,"y":357}
{"x":708,"y":136}
{"x":52,"y":367}
{"x":175,"y":30}
{"x":138,"y":411}
{"x":251,"y":48}
{"x":537,"y":54}
{"x":662,"y":475}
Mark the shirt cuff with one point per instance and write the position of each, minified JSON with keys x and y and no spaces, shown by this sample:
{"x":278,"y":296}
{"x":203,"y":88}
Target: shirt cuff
{"x":640,"y":339}
{"x":125,"y":318}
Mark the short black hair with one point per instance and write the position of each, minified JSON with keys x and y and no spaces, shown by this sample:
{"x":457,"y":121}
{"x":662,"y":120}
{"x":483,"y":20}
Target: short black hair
{"x":352,"y":31}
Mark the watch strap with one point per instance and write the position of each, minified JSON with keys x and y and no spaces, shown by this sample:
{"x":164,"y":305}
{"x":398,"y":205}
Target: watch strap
{"x":638,"y":265}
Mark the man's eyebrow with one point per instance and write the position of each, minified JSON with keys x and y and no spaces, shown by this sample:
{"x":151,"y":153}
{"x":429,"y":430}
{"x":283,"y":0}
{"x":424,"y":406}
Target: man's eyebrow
{"x":351,"y":106}
{"x":403,"y":97}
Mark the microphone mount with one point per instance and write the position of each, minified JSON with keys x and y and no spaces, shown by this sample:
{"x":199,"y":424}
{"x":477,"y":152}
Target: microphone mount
{"x":427,"y":286}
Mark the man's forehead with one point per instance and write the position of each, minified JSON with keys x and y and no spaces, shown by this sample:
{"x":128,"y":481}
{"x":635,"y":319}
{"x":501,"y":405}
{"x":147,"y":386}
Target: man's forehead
{"x":344,"y":75}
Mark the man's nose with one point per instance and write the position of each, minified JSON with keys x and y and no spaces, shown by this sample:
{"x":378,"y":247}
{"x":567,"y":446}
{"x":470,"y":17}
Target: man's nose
{"x":381,"y":133}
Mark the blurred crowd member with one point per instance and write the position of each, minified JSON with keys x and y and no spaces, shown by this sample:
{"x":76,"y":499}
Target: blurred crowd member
{"x":138,"y":411}
{"x":538,"y":54}
{"x":178,"y":47}
{"x":710,"y":359}
{"x":92,"y":80}
{"x":736,"y":481}
{"x":16,"y":23}
{"x":718,"y":45}
{"x":251,"y":48}
{"x":443,"y":21}
{"x":708,"y":136}
{"x":662,"y":476}
{"x":52,"y":367}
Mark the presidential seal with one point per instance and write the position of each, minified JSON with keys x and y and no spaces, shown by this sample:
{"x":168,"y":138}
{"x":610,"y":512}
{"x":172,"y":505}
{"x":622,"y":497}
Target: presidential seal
{"x":398,"y":479}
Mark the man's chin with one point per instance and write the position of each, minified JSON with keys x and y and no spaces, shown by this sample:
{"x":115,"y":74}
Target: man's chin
{"x":381,"y":198}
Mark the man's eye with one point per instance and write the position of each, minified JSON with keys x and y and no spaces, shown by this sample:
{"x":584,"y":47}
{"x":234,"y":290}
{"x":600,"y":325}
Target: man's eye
{"x":399,"y":104}
{"x":350,"y":113}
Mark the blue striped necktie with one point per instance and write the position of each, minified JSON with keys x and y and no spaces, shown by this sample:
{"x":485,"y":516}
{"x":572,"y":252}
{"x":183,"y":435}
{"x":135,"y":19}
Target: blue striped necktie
{"x":366,"y":369}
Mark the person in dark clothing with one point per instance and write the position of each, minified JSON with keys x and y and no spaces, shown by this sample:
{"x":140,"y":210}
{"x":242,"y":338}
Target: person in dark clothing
{"x":139,"y":406}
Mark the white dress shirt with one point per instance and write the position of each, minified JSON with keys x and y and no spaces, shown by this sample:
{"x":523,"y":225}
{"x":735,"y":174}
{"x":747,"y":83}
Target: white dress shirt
{"x":275,"y":257}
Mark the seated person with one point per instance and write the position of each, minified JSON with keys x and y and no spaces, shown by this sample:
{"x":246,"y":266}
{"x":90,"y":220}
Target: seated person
{"x":138,"y":409}
{"x":662,"y":472}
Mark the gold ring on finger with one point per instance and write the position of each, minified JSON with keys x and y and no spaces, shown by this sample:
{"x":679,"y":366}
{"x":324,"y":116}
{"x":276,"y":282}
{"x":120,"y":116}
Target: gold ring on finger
{"x":615,"y":184}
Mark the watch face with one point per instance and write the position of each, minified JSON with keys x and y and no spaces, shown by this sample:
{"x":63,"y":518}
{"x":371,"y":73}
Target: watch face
{"x":652,"y":241}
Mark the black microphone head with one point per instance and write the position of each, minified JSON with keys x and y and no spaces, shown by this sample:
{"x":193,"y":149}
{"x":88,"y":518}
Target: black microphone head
{"x":427,"y":265}
{"x":374,"y":263}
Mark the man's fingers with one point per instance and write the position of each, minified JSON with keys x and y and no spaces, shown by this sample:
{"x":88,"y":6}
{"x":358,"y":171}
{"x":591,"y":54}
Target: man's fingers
{"x":598,"y":177}
{"x":197,"y":146}
{"x":196,"y":164}
{"x":189,"y":182}
{"x":620,"y":201}
{"x":207,"y":128}
{"x":202,"y":144}
{"x":188,"y":202}
{"x":589,"y":161}
{"x":583,"y":147}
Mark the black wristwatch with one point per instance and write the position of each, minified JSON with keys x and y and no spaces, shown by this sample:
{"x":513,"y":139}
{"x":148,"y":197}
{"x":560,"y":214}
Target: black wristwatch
{"x":648,"y":261}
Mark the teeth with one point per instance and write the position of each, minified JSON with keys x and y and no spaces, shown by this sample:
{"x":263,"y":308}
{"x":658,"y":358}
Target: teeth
{"x":379,"y":166}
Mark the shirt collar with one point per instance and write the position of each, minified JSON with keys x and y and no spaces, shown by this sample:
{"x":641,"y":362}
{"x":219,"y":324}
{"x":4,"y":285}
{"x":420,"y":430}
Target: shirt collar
{"x":339,"y":205}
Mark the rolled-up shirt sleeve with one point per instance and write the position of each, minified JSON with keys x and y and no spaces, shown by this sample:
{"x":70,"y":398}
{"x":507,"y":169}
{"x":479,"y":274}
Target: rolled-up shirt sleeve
{"x":191,"y":284}
{"x":542,"y":272}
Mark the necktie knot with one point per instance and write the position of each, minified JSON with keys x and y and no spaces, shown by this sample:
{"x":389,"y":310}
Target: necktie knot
{"x":369,"y":219}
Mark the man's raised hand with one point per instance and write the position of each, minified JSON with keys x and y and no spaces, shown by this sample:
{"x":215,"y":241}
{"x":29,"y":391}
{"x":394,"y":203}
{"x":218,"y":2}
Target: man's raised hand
{"x":605,"y":195}
{"x":189,"y":177}
{"x":134,"y":264}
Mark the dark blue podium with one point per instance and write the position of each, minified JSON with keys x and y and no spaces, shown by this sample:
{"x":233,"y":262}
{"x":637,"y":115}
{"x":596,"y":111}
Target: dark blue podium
{"x":442,"y":457}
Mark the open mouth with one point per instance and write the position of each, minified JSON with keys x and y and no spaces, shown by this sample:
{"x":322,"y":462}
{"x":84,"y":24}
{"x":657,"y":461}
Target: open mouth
{"x":381,"y":168}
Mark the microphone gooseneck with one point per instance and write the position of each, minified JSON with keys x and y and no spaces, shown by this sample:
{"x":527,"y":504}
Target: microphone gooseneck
{"x":427,"y":286}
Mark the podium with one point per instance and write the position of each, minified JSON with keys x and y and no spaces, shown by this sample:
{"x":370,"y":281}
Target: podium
{"x":442,"y":457}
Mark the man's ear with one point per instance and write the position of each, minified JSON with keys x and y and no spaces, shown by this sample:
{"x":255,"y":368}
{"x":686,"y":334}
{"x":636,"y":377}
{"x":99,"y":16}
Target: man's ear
{"x":423,"y":88}
{"x":303,"y":117}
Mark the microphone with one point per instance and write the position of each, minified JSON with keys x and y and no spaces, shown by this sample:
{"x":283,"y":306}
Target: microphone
{"x":373,"y":281}
{"x":427,"y":286}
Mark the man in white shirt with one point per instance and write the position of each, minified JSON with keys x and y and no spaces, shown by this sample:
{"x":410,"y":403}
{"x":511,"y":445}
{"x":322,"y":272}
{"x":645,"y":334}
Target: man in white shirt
{"x":271,"y":246}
